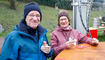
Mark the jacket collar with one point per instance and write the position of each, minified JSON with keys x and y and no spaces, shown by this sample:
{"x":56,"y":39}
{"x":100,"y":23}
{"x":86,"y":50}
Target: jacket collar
{"x":26,"y":29}
{"x":64,"y":29}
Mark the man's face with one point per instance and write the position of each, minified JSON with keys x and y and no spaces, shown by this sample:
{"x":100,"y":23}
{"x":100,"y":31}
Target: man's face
{"x":33,"y":19}
{"x":63,"y":21}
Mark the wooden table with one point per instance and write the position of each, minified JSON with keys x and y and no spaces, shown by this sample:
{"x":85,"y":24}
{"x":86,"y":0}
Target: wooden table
{"x":87,"y":53}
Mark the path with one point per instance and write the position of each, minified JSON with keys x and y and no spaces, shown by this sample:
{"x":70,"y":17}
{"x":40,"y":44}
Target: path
{"x":1,"y":42}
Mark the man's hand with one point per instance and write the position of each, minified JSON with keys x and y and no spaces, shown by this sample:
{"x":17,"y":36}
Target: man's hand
{"x":46,"y":49}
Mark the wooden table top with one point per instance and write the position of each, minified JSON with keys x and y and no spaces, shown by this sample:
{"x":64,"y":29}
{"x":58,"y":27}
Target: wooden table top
{"x":83,"y":52}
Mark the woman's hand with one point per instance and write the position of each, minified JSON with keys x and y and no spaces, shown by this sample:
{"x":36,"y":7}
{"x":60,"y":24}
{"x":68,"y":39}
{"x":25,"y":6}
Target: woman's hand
{"x":70,"y":44}
{"x":95,"y":42}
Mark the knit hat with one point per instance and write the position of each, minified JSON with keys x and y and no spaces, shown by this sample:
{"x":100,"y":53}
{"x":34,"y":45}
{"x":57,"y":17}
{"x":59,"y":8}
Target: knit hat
{"x":63,"y":13}
{"x":32,"y":6}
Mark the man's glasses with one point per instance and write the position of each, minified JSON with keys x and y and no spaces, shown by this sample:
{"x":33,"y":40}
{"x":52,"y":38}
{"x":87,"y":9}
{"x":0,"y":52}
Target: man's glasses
{"x":32,"y":15}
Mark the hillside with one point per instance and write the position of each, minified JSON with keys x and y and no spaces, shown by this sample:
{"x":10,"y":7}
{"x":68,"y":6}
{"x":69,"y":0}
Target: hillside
{"x":9,"y":18}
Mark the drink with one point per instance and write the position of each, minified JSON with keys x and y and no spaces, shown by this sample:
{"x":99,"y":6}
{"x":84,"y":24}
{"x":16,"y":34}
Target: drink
{"x":73,"y":41}
{"x":44,"y":43}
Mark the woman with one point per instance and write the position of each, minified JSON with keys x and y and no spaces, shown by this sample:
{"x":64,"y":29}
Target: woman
{"x":25,"y":42}
{"x":64,"y":37}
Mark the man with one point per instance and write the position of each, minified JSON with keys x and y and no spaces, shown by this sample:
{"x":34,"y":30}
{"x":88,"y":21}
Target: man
{"x":25,"y":42}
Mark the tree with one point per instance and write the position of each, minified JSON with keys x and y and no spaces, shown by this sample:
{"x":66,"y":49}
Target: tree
{"x":13,"y":4}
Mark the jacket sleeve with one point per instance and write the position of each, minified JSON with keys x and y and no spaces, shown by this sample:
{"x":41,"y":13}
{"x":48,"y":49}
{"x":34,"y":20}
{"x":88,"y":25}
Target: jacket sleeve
{"x":9,"y":49}
{"x":54,"y":43}
{"x":83,"y":39}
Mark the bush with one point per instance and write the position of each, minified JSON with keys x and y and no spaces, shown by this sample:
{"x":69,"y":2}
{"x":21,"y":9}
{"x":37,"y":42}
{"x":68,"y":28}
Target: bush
{"x":46,"y":2}
{"x":64,"y":4}
{"x":25,"y":0}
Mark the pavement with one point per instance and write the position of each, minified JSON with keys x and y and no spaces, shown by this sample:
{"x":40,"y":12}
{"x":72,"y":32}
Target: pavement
{"x":1,"y":42}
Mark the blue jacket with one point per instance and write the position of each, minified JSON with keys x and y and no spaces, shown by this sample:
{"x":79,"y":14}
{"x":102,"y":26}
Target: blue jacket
{"x":22,"y":46}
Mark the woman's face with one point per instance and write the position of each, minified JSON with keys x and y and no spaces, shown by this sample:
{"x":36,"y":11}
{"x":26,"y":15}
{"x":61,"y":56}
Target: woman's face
{"x":33,"y":19}
{"x":63,"y":21}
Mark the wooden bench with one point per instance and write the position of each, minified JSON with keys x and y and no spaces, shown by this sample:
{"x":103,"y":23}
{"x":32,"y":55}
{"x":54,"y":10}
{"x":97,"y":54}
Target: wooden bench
{"x":100,"y":28}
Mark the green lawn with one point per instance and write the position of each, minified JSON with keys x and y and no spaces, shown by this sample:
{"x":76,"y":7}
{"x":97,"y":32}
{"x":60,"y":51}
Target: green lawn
{"x":9,"y":18}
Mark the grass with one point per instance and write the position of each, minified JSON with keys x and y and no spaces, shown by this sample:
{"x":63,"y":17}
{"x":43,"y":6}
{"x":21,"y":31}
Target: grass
{"x":9,"y":18}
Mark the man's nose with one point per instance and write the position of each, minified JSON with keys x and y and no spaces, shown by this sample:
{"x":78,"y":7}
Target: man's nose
{"x":34,"y":18}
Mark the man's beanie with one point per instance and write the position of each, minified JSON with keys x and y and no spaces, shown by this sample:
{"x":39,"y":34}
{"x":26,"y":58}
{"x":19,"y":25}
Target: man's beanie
{"x":63,"y":13}
{"x":30,"y":7}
